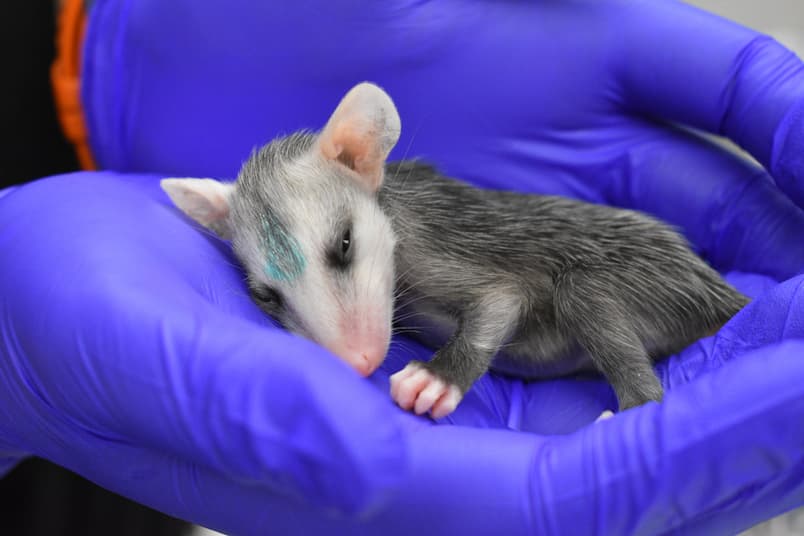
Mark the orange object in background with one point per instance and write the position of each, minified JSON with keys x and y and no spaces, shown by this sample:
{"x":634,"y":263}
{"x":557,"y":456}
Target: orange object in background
{"x":65,"y":77}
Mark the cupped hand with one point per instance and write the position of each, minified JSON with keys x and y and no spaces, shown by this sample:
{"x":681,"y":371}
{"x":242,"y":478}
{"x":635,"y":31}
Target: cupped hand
{"x":124,"y":326}
{"x":132,"y":355}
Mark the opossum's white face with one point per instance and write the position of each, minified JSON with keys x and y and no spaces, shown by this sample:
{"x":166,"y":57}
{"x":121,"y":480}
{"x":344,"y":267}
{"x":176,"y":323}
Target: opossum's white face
{"x":318,"y":251}
{"x":304,"y":220}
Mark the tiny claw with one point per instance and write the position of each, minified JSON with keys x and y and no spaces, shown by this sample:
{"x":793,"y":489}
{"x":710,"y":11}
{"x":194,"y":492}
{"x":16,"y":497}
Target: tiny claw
{"x":447,"y":403}
{"x":605,"y":415}
{"x":416,"y":388}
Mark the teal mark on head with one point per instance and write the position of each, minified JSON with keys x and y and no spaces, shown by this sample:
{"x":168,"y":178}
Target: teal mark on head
{"x":284,"y":260}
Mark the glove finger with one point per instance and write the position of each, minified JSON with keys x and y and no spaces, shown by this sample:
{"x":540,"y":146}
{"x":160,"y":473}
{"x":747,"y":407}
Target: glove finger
{"x":721,"y":445}
{"x":716,"y":76}
{"x":727,"y":207}
{"x":720,"y":449}
{"x":488,"y":480}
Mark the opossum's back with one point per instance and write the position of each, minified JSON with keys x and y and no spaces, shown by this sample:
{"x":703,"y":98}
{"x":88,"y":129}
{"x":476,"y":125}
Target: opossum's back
{"x":516,"y":230}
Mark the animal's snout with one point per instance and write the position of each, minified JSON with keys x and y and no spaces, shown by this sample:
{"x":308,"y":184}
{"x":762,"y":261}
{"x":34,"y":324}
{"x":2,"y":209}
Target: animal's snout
{"x":366,"y":358}
{"x":365,"y":351}
{"x":366,"y":364}
{"x":363,"y":340}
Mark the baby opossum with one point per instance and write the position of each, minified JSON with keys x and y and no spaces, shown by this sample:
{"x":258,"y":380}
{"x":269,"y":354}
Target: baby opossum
{"x":328,"y":232}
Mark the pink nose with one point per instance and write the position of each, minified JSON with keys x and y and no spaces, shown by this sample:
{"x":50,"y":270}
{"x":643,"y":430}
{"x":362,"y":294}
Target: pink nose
{"x":363,"y":349}
{"x":365,"y":364}
{"x":362,"y":364}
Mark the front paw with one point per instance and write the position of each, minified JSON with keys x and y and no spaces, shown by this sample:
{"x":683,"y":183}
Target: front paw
{"x":415,"y":387}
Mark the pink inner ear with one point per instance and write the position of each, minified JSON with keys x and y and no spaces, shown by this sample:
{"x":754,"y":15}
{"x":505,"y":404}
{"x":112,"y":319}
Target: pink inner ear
{"x":211,"y":209}
{"x":371,"y":171}
{"x":203,"y":204}
{"x":204,"y":200}
{"x":361,"y":132}
{"x":355,"y":146}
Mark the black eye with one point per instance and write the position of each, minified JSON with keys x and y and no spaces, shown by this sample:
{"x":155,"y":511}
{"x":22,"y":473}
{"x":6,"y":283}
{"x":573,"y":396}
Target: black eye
{"x":340,"y":256}
{"x":267,"y":297}
{"x":346,"y":242}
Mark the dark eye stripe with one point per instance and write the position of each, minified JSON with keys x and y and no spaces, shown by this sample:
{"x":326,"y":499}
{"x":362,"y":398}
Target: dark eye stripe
{"x":267,"y":296}
{"x":341,"y":253}
{"x":346,"y":241}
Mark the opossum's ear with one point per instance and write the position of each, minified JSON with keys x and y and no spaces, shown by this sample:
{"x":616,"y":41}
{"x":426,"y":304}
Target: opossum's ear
{"x":361,"y":132}
{"x":204,"y":200}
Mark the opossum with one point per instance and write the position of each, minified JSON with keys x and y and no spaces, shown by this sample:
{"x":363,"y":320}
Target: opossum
{"x":330,"y":234}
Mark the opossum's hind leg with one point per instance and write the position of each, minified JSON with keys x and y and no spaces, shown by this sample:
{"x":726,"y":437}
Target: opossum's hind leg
{"x":586,"y":311}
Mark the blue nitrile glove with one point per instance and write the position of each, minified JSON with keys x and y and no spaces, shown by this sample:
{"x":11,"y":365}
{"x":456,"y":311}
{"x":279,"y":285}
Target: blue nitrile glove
{"x":501,"y":93}
{"x":139,"y":362}
{"x":132,"y":355}
{"x":124,"y":329}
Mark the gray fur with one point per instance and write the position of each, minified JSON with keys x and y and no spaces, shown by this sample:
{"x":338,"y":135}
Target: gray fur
{"x":267,"y":185}
{"x":556,"y":284}
{"x":586,"y":282}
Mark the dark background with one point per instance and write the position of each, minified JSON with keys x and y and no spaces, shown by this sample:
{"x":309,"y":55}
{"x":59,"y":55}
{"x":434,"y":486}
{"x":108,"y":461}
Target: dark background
{"x":38,"y":498}
{"x":32,"y":144}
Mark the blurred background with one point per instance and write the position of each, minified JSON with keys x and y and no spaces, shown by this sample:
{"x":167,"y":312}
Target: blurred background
{"x":40,"y":499}
{"x":783,"y":19}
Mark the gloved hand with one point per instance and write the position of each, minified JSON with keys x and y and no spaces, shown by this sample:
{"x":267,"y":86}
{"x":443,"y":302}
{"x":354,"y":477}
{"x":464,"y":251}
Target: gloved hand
{"x":503,"y":94}
{"x":132,"y":355}
{"x":128,"y":336}
{"x":168,"y":386}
